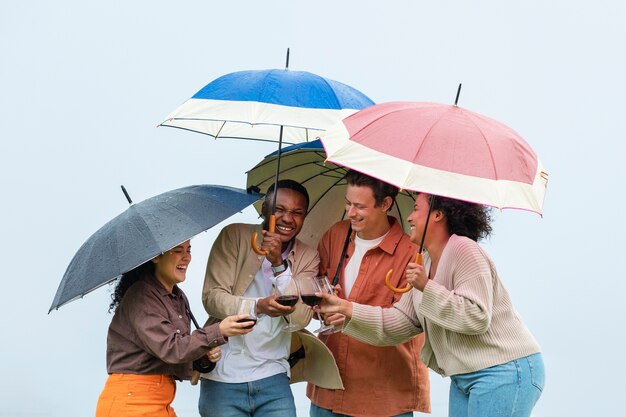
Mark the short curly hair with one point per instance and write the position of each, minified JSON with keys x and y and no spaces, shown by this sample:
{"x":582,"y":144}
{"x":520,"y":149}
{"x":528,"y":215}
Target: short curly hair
{"x":287,"y":184}
{"x":464,"y":218}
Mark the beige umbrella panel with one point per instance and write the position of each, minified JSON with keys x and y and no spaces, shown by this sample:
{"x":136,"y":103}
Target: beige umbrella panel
{"x":325,"y":184}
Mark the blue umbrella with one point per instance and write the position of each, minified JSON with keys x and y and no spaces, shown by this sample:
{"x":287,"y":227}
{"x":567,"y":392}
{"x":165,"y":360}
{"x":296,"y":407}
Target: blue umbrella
{"x":268,"y":105}
{"x":145,"y":230}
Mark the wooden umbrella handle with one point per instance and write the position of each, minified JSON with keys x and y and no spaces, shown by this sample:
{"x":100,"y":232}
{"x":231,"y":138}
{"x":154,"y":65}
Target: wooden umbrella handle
{"x":418,"y":260}
{"x":195,"y":377}
{"x":271,"y":228}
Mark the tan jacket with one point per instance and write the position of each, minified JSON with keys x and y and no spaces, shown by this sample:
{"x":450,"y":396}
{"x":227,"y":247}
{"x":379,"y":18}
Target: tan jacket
{"x":233,"y":265}
{"x":231,"y":269}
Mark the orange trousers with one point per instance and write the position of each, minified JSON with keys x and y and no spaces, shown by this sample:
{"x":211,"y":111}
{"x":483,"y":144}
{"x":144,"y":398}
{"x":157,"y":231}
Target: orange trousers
{"x":128,"y":395}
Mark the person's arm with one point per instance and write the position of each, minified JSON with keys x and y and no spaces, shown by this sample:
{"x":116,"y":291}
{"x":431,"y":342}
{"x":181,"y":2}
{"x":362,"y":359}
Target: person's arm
{"x":467,"y":308}
{"x":221,"y":274}
{"x":149,"y":317}
{"x":374,"y":325}
{"x":272,"y":245}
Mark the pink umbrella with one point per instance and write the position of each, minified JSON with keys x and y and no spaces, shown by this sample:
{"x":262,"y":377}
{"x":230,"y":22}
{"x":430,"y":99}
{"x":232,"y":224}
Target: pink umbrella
{"x":443,"y":150}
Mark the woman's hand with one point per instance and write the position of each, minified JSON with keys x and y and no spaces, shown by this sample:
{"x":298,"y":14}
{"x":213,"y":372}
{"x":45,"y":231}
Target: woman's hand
{"x":334,"y":319}
{"x":230,"y":326}
{"x":336,"y":289}
{"x":333,"y":304}
{"x":416,"y":276}
{"x":215,"y":354}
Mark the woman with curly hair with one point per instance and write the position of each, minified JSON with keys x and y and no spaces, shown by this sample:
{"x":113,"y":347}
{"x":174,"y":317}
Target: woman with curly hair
{"x":150,"y":343}
{"x":473,"y":333}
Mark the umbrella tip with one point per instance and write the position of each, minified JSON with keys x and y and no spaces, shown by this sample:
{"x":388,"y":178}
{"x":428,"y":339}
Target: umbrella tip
{"x":126,"y":194}
{"x":287,"y":61}
{"x":458,"y":92}
{"x":253,"y":189}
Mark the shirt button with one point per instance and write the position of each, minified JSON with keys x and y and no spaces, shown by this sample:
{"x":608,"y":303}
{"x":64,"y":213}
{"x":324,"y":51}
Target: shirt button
{"x":177,"y":330}
{"x":180,"y":317}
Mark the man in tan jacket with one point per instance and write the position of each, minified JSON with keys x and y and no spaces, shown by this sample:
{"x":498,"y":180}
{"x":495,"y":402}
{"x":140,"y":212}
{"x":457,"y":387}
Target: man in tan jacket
{"x":253,"y":376}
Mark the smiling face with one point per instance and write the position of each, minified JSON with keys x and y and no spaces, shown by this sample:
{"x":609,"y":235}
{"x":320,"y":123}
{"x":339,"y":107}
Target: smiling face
{"x":368,"y":220}
{"x":291,"y":207}
{"x":417,"y":218}
{"x":171,"y":266}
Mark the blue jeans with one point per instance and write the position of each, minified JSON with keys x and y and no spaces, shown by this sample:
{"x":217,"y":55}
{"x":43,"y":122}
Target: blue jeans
{"x":508,"y":390}
{"x":267,"y":397}
{"x":323,"y":412}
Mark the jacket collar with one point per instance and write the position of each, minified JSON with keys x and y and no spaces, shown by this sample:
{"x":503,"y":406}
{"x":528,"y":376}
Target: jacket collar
{"x":395,"y":234}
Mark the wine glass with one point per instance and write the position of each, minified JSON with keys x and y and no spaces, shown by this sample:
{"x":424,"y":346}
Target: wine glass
{"x":324,"y":285}
{"x":247,"y":306}
{"x":308,"y":288}
{"x":288,"y":295}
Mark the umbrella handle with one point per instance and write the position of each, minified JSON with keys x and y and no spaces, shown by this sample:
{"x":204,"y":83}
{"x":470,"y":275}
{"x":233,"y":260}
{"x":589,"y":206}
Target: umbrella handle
{"x":418,"y":260}
{"x":195,"y":377}
{"x":271,"y":228}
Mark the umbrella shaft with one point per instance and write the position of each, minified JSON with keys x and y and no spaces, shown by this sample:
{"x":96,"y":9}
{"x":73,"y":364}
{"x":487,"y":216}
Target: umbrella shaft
{"x":430,"y":210}
{"x":280,"y":145}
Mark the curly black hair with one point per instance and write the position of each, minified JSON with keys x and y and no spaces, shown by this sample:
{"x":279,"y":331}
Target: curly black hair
{"x":127,"y":280}
{"x":288,"y":184}
{"x":464,"y":218}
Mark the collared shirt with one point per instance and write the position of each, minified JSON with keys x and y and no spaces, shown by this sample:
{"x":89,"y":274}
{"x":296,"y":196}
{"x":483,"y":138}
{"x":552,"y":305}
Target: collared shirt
{"x":263,"y":352}
{"x":233,"y":267}
{"x":378,"y":381}
{"x":150,"y":333}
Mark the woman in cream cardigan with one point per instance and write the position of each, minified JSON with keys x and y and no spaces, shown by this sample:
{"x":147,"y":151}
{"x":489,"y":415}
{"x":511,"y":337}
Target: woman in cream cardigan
{"x":473,"y":333}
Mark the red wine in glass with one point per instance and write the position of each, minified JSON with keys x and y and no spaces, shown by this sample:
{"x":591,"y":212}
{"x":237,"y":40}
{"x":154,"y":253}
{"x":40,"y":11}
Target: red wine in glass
{"x":287,"y":300}
{"x":311,"y":299}
{"x":252,"y":320}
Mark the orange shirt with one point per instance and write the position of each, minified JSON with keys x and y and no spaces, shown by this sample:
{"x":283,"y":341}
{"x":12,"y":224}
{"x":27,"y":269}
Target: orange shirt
{"x":378,"y":381}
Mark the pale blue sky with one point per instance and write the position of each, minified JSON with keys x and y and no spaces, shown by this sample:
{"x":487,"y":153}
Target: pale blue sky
{"x":84,"y":83}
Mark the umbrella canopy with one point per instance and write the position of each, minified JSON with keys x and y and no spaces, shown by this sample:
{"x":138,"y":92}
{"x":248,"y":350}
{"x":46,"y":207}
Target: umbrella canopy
{"x":145,"y":230}
{"x":268,"y":105}
{"x":255,"y":104}
{"x":325,"y":184}
{"x":443,"y":150}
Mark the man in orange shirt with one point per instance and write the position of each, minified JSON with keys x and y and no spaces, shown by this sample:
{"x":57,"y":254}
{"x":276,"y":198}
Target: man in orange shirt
{"x":379,"y":381}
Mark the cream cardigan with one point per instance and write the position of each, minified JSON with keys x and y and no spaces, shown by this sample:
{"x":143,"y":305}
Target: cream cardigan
{"x":464,"y":311}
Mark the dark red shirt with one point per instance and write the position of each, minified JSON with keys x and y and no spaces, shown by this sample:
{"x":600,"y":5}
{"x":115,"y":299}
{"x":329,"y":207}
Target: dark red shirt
{"x":150,"y":333}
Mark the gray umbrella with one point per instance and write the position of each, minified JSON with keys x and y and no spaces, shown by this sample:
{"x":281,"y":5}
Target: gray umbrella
{"x":144,"y":231}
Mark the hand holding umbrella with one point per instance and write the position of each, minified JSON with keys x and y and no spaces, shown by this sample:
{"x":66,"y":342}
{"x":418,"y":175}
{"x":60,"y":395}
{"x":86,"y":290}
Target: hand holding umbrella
{"x":419,"y":259}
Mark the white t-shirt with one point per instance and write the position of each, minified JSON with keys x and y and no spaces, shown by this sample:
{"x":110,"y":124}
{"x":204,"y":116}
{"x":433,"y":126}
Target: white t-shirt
{"x":361,"y":246}
{"x":264,"y":351}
